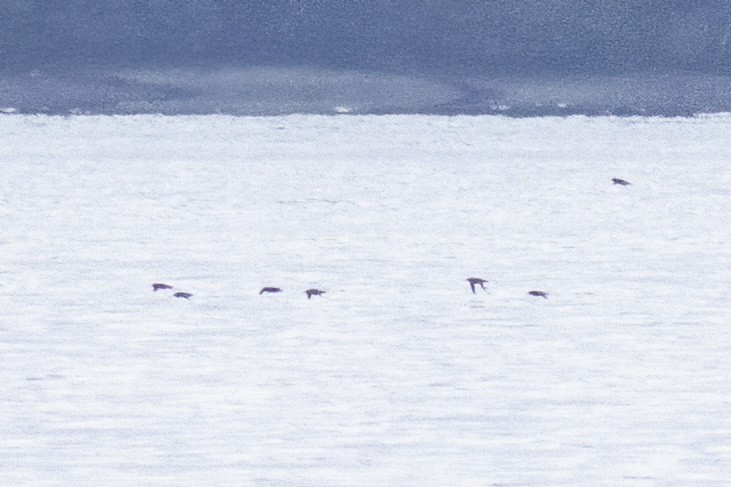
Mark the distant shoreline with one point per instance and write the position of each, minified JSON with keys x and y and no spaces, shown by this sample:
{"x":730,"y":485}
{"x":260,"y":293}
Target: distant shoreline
{"x":273,"y":91}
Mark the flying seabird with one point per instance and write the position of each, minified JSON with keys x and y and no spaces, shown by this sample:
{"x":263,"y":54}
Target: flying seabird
{"x":621,"y":182}
{"x":313,"y":292}
{"x":269,"y":290}
{"x":476,"y":280}
{"x":157,"y":286}
{"x":539,"y":294}
{"x":182,"y":295}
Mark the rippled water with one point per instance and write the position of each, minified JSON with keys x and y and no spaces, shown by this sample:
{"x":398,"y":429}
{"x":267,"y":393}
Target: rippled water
{"x":398,"y":375}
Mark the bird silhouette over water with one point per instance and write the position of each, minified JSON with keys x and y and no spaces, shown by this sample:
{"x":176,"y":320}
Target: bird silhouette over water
{"x":314,"y":292}
{"x":540,"y":294}
{"x":476,"y":281}
{"x":269,"y":290}
{"x":157,"y":286}
{"x":621,"y":182}
{"x":182,"y":295}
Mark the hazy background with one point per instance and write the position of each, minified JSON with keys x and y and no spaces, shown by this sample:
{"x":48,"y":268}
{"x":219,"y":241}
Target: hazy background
{"x":282,"y":56}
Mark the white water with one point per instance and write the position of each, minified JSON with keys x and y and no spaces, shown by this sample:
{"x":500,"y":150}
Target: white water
{"x":398,"y":375}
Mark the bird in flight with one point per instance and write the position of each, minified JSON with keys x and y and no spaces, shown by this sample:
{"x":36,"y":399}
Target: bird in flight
{"x":539,"y":294}
{"x":269,"y":290}
{"x":157,"y":286}
{"x":476,"y":281}
{"x":182,"y":295}
{"x":314,"y":292}
{"x":621,"y":182}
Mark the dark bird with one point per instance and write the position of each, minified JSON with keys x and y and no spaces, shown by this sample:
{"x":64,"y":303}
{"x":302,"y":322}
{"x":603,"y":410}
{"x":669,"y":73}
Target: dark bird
{"x":476,"y":280}
{"x":182,"y":295}
{"x":314,"y":292}
{"x":158,"y":286}
{"x":269,"y":290}
{"x":540,"y":294}
{"x":621,"y":182}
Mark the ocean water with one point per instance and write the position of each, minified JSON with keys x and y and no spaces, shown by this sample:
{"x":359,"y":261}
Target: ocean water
{"x":398,"y":375}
